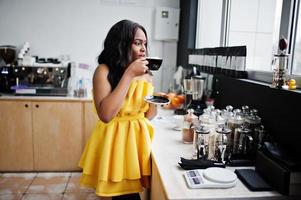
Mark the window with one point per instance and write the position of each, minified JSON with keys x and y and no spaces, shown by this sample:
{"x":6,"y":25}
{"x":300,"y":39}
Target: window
{"x":258,"y":24}
{"x":296,"y":60}
{"x":255,"y":24}
{"x":209,"y":25}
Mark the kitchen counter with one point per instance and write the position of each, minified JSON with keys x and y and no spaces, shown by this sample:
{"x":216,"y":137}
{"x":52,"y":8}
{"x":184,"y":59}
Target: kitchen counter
{"x":44,"y":98}
{"x":167,"y":176}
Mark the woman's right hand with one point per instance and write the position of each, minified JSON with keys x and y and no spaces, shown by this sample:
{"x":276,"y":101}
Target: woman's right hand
{"x":137,"y":68}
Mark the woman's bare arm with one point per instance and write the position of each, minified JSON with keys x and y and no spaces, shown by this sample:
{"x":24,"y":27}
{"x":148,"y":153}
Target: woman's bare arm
{"x":108,"y":102}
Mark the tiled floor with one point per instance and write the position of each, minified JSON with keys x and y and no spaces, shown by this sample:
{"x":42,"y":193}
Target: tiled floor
{"x":43,"y":186}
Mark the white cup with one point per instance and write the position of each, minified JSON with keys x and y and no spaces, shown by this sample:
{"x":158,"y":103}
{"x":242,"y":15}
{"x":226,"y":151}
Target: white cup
{"x":179,"y":119}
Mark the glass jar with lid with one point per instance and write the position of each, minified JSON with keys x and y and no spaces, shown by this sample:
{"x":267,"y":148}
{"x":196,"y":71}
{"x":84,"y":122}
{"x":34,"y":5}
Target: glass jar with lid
{"x":201,"y":141}
{"x":253,"y":120}
{"x":234,"y":121}
{"x":222,"y":142}
{"x":188,"y":127}
{"x":243,"y":141}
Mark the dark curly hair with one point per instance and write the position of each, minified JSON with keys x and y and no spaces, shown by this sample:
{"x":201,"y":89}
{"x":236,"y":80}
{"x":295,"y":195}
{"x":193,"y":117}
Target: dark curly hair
{"x":117,"y":49}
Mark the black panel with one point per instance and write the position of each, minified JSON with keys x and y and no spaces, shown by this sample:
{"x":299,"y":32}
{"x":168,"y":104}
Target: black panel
{"x":187,"y":32}
{"x":279,"y":109}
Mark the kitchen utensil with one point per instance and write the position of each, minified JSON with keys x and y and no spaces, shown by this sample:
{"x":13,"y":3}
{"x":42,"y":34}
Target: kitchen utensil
{"x":202,"y":144}
{"x":8,"y":54}
{"x":197,"y":87}
{"x":212,"y":177}
{"x":222,"y":144}
{"x":245,"y":143}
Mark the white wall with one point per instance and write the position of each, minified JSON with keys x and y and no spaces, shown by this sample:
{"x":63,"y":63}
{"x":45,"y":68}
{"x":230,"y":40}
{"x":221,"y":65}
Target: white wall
{"x":78,"y":28}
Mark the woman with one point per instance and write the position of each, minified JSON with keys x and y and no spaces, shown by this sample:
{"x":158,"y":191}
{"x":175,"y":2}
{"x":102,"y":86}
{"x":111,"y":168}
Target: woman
{"x":116,"y":159}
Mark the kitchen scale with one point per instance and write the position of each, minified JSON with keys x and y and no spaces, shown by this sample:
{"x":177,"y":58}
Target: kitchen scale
{"x":212,"y":177}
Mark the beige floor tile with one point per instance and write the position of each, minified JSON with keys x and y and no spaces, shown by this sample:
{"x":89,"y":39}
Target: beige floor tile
{"x":54,"y":174}
{"x":23,"y":175}
{"x":10,"y":196}
{"x":82,"y":196}
{"x":49,"y":183}
{"x":76,"y":174}
{"x":42,"y":197}
{"x":74,"y":186}
{"x":12,"y":183}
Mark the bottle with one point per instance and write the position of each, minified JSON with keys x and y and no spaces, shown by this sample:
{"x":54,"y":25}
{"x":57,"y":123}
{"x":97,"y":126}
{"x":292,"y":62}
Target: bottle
{"x":280,"y":66}
{"x":82,"y":92}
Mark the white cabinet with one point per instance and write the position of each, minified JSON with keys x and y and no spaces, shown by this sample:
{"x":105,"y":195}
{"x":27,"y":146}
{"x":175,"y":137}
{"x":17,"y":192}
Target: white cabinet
{"x":166,"y":23}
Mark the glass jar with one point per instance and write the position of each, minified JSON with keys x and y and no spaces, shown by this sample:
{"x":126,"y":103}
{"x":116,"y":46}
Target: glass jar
{"x":243,"y":141}
{"x":253,"y":120}
{"x":222,"y":142}
{"x":202,"y":140}
{"x":234,"y":122}
{"x":212,"y":144}
{"x":188,"y":127}
{"x":280,"y":68}
{"x":260,"y":136}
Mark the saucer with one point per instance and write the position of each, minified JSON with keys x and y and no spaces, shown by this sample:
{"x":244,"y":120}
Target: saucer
{"x":157,"y":100}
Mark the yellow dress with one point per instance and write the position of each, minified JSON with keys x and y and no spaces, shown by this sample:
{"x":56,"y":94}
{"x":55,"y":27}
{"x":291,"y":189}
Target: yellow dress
{"x":116,"y":158}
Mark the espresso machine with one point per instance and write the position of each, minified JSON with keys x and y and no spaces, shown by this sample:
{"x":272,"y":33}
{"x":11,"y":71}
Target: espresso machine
{"x":8,"y":56}
{"x":42,"y":79}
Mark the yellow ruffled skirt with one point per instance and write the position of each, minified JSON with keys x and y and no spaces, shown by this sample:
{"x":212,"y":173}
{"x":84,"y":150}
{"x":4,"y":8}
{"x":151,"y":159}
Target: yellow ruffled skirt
{"x":116,"y":158}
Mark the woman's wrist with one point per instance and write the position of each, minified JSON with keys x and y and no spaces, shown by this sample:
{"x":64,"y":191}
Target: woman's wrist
{"x":129,"y":73}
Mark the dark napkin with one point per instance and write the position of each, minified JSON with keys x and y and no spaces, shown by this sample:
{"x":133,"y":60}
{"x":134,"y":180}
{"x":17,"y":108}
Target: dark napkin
{"x":188,"y":164}
{"x":252,"y":180}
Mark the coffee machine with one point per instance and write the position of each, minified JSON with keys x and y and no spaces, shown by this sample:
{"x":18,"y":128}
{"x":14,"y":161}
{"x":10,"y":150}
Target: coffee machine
{"x":8,"y":55}
{"x":193,"y":90}
{"x":42,"y":79}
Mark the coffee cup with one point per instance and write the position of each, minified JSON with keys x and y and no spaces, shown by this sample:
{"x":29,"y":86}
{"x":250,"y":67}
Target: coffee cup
{"x":154,"y":63}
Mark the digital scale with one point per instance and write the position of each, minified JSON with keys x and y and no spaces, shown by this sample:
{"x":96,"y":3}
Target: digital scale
{"x":213,"y":177}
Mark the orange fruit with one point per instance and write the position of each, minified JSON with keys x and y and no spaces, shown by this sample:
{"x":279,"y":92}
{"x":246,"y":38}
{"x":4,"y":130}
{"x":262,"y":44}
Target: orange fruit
{"x":176,"y":102}
{"x":171,"y":95}
{"x":181,"y":97}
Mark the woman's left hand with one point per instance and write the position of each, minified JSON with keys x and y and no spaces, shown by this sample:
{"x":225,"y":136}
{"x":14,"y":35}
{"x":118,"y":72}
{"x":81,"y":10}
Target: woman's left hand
{"x":152,"y":111}
{"x":137,"y":68}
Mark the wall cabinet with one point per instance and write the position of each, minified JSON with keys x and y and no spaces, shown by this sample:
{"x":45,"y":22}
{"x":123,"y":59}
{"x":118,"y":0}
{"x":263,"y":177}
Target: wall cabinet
{"x":41,"y":135}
